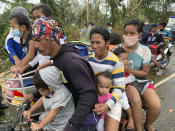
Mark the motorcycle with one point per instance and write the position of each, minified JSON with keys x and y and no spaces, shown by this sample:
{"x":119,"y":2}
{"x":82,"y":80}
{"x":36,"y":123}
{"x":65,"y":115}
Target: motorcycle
{"x":158,"y":57}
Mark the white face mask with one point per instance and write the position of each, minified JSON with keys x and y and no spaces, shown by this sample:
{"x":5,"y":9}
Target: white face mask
{"x":146,"y":23}
{"x":17,"y":33}
{"x":130,"y":41}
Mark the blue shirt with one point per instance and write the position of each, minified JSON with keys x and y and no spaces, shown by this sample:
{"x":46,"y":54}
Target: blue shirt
{"x":165,"y":33}
{"x":14,"y":48}
{"x":140,"y":57}
{"x":18,"y":49}
{"x":173,"y":28}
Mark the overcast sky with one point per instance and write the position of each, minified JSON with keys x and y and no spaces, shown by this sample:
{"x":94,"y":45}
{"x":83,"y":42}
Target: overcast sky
{"x":2,"y":6}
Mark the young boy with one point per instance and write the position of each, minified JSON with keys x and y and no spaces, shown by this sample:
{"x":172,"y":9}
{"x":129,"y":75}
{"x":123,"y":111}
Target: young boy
{"x":56,"y":99}
{"x":154,"y":38}
{"x":115,"y":40}
{"x":165,"y":33}
{"x":129,"y":78}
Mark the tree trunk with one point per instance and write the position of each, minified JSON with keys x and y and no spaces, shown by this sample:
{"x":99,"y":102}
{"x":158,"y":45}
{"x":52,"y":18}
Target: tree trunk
{"x":87,"y":10}
{"x":113,"y":17}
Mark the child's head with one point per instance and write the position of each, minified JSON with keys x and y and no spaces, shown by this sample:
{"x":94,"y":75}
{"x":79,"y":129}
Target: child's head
{"x":154,"y":28}
{"x":162,"y":25}
{"x":115,"y":39}
{"x":122,"y":54}
{"x":103,"y":82}
{"x":40,"y":85}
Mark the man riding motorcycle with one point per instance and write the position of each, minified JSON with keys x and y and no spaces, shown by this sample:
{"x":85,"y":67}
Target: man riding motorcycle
{"x":154,"y":38}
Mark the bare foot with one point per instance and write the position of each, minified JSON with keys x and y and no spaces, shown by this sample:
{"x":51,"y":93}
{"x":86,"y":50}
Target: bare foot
{"x":149,"y":128}
{"x":130,"y":124}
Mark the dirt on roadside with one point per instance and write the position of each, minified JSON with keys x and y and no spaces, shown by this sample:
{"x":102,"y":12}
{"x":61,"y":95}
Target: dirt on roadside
{"x":2,"y":82}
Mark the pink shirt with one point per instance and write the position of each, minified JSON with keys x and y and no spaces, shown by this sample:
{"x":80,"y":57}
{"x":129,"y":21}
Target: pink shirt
{"x":103,"y":99}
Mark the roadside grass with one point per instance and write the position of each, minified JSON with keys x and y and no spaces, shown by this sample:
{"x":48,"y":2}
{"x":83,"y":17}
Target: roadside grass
{"x":5,"y":65}
{"x":156,"y":79}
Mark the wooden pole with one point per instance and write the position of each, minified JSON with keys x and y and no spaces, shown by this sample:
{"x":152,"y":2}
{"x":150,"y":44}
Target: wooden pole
{"x":87,"y":10}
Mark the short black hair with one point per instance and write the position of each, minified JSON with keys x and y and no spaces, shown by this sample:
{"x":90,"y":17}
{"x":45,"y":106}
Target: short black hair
{"x":106,"y":74}
{"x":102,"y":31}
{"x":154,"y":25}
{"x":135,"y":22}
{"x":109,"y":24}
{"x":115,"y":38}
{"x":21,"y":20}
{"x":44,"y":8}
{"x":119,"y":50}
{"x":163,"y":24}
{"x":38,"y":82}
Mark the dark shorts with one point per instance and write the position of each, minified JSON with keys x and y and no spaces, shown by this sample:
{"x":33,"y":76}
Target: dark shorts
{"x":142,"y":85}
{"x":163,"y":47}
{"x":88,"y":128}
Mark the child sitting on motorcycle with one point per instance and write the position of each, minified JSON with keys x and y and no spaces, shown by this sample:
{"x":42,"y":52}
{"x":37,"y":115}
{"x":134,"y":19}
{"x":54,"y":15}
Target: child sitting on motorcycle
{"x":56,"y":99}
{"x":165,"y":33}
{"x":103,"y":85}
{"x":154,"y":38}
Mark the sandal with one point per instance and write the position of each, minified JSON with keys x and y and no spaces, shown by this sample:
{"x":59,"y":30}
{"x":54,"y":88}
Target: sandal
{"x":147,"y":129}
{"x":159,"y":73}
{"x":164,"y":61}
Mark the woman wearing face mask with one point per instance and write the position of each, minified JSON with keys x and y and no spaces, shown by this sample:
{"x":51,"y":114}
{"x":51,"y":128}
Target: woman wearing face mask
{"x":20,"y":30}
{"x":146,"y":28}
{"x":140,"y":56}
{"x":109,"y":27}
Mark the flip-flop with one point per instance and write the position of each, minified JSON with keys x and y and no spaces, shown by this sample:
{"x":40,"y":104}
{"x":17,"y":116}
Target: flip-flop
{"x":147,"y":129}
{"x":159,"y":73}
{"x":164,"y":61}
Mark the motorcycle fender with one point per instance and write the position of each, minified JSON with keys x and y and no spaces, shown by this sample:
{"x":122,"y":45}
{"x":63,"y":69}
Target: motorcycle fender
{"x":166,"y":50}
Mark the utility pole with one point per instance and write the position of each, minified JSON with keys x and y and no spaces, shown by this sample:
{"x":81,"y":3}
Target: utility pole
{"x":87,"y":10}
{"x":123,"y":5}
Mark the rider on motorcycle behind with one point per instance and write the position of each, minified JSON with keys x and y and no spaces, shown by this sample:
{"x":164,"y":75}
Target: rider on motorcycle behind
{"x":154,"y":38}
{"x":165,"y":33}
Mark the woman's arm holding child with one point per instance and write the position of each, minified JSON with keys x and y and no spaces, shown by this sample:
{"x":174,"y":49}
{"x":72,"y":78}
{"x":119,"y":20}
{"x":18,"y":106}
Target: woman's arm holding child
{"x":50,"y":116}
{"x":138,"y":73}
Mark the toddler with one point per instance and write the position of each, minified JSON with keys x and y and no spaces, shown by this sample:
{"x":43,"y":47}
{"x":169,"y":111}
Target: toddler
{"x":103,"y":85}
{"x":56,"y":99}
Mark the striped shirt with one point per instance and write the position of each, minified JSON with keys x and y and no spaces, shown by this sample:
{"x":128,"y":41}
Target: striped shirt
{"x":112,"y":64}
{"x":61,"y":98}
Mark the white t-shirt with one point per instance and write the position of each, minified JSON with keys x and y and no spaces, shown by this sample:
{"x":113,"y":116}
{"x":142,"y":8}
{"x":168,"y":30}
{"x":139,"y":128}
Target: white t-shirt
{"x":39,"y":58}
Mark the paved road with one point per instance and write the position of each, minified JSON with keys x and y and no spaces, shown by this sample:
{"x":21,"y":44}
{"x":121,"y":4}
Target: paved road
{"x":166,"y":91}
{"x":166,"y":121}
